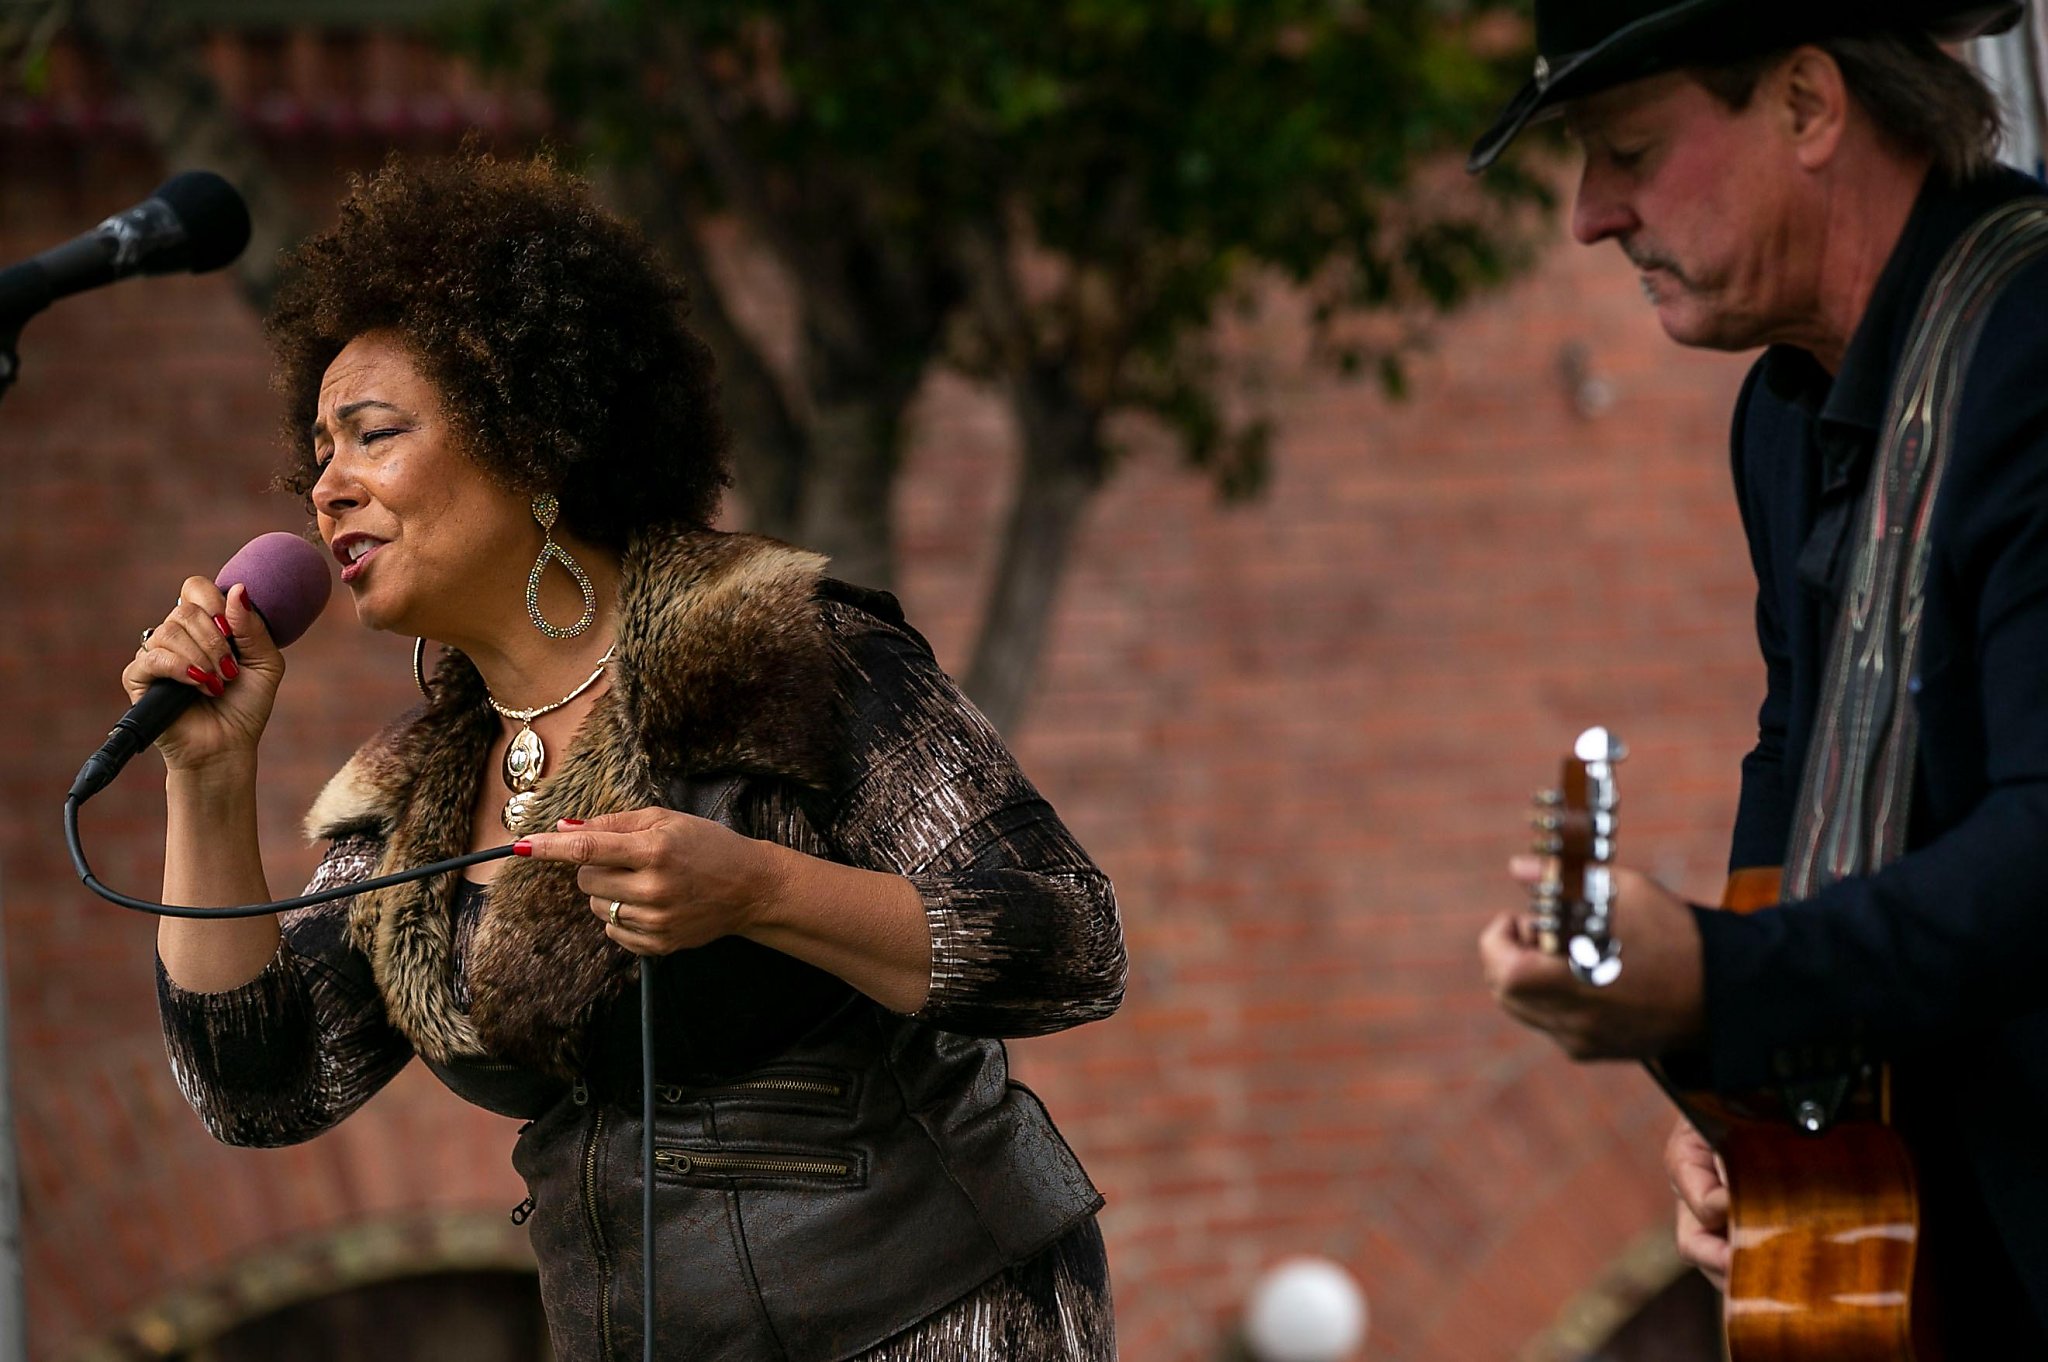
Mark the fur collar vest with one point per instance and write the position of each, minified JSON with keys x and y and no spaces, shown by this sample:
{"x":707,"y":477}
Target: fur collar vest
{"x":724,"y":667}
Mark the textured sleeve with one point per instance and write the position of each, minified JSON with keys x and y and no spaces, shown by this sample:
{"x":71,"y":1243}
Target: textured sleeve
{"x":290,"y":1053}
{"x":1024,"y":929}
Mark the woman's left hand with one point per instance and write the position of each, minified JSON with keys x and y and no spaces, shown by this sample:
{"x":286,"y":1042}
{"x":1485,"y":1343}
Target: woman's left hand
{"x":679,"y":881}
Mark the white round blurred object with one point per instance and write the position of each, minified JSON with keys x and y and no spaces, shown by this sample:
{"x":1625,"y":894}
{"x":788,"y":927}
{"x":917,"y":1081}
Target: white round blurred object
{"x":1305,"y":1310}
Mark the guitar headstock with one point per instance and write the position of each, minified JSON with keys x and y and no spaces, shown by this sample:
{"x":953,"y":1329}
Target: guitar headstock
{"x":1575,"y":834}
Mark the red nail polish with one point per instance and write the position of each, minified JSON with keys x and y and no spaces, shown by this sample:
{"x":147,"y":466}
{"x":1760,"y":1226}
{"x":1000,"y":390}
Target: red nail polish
{"x":206,"y":679}
{"x":228,"y":670}
{"x":220,"y":622}
{"x":572,"y":822}
{"x":522,"y":847}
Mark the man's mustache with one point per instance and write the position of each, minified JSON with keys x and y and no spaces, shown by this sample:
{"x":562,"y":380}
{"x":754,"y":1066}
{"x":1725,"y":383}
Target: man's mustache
{"x":1644,"y":258}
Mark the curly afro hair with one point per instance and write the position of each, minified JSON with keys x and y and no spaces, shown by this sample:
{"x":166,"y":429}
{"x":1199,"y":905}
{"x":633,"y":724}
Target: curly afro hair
{"x":554,"y":334}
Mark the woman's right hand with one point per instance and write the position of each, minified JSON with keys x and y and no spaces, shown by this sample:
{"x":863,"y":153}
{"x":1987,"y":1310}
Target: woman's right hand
{"x":236,"y":688}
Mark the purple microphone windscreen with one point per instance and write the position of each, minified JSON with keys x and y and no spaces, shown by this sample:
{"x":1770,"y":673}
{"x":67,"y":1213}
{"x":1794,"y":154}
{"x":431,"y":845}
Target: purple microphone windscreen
{"x":288,"y":581}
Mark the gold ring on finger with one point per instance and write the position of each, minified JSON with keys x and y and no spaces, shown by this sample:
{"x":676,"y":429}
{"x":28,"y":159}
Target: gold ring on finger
{"x":146,"y":633}
{"x":615,"y":912}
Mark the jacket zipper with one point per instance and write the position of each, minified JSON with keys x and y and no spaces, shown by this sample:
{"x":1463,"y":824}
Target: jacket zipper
{"x":813,"y":1087}
{"x":741,"y":1165}
{"x":595,"y":1220}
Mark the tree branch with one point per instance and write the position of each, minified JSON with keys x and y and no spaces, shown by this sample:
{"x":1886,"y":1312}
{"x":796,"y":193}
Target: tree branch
{"x":156,"y":60}
{"x":848,"y":505}
{"x":834,"y":315}
{"x":772,"y":449}
{"x":1059,"y":471}
{"x":855,"y":391}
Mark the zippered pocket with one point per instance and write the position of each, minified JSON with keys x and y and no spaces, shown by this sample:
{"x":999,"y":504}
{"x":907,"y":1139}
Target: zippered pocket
{"x":791,"y":1089}
{"x":724,"y":1167}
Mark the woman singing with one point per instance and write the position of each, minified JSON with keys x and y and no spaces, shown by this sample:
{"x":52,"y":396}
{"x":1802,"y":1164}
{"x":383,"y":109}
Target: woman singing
{"x":717,"y":760}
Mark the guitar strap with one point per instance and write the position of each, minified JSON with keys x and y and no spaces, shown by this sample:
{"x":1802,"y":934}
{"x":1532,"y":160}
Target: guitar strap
{"x":1855,"y":793}
{"x":1856,"y":789}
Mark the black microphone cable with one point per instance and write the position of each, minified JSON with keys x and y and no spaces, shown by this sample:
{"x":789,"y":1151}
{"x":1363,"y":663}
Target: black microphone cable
{"x":647,"y":1156}
{"x":343,"y":891}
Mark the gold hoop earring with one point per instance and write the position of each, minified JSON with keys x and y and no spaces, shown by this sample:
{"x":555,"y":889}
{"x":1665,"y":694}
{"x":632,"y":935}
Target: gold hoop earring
{"x":419,"y":666}
{"x":546,"y":509}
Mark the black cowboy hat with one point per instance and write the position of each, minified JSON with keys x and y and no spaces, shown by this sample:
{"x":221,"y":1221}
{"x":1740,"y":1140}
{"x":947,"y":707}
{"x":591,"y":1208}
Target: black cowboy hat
{"x":1590,"y":45}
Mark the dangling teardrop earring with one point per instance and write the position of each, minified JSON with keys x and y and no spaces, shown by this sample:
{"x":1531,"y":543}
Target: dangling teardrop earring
{"x":546,"y":509}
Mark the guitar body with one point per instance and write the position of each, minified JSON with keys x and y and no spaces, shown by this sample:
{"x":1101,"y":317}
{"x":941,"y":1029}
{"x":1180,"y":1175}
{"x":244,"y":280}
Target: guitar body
{"x":1826,"y":1237}
{"x":1825,"y":1229}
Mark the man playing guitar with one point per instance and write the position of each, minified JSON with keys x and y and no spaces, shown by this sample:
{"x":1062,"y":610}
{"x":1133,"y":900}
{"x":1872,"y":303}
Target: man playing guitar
{"x":1795,"y":175}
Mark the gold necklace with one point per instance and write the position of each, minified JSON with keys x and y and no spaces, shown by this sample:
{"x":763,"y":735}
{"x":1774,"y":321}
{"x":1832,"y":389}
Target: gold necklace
{"x":527,"y":756}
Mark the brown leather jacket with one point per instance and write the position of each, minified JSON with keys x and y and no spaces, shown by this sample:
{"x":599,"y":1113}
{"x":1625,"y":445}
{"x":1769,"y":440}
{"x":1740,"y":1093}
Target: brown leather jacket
{"x":828,"y":1172}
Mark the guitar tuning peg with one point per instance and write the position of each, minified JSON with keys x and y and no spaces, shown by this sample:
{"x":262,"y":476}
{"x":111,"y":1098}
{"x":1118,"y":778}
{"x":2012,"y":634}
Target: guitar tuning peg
{"x":1548,"y":799}
{"x":1544,"y":822}
{"x":1599,"y":744}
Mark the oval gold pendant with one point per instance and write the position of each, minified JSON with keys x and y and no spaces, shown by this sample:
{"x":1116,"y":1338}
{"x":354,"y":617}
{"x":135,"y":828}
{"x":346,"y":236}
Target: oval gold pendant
{"x":524,"y":759}
{"x":514,"y":812}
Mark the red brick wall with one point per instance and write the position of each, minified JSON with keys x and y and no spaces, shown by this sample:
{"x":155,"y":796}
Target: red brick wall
{"x":1299,"y":734}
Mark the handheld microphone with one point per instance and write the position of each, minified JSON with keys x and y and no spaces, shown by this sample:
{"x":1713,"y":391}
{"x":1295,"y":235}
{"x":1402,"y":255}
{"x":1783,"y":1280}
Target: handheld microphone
{"x":194,"y":221}
{"x":288,"y":583}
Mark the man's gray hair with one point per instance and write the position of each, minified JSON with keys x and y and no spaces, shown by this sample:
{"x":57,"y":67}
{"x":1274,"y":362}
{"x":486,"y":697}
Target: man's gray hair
{"x":1922,"y":99}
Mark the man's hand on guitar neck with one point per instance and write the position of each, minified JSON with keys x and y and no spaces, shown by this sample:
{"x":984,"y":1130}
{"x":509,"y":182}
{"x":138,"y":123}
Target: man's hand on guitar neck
{"x":1653,"y":1007}
{"x":1702,"y":1192}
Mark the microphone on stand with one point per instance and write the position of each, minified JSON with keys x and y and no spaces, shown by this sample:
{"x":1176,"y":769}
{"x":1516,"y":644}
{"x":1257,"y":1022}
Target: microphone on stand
{"x":194,"y":221}
{"x":288,"y":583}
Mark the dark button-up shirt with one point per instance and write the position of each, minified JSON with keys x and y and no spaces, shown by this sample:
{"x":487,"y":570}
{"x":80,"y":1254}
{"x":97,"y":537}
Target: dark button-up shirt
{"x":1803,"y":446}
{"x":1936,"y":961}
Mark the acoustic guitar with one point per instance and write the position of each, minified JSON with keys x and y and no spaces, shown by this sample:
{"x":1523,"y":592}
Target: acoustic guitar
{"x":1825,"y":1217}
